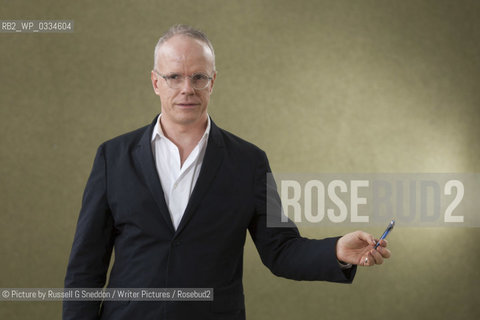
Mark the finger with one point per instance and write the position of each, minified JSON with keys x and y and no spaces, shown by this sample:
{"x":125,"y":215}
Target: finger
{"x":367,"y":260}
{"x":364,"y":261}
{"x":377,"y":257}
{"x":383,"y":243}
{"x":384,"y":252}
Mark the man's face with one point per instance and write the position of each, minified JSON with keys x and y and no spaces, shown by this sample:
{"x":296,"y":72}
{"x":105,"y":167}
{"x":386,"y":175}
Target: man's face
{"x":185,"y":56}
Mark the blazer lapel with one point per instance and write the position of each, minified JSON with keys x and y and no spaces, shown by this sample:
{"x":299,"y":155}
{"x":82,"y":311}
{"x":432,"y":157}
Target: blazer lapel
{"x":144,"y":160}
{"x":211,"y":163}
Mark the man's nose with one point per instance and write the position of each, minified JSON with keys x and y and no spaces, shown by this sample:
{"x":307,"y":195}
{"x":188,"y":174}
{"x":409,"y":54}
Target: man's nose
{"x":187,"y":87}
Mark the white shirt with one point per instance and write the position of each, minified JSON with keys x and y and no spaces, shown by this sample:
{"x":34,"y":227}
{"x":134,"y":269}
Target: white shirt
{"x":177,"y":181}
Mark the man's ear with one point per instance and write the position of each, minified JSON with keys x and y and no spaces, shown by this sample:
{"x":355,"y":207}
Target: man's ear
{"x":154,"y":78}
{"x":213,"y":81}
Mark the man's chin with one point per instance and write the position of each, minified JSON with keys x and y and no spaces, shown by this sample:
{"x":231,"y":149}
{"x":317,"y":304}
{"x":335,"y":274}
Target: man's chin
{"x":189,"y":118}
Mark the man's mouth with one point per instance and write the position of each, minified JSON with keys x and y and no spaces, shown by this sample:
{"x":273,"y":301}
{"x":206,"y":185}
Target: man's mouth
{"x":187,"y":104}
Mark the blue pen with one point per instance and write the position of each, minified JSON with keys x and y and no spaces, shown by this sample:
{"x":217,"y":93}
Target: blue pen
{"x":387,"y":231}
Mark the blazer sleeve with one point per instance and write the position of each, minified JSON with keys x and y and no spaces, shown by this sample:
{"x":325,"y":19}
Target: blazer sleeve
{"x":92,"y":244}
{"x":282,"y":249}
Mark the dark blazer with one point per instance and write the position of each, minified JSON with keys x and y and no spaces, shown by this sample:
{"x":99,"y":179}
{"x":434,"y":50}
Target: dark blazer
{"x":124,"y":209}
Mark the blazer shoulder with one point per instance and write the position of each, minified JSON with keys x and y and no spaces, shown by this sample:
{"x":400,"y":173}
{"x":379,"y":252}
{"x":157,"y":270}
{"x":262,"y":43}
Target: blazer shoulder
{"x":128,"y":140}
{"x":237,"y":145}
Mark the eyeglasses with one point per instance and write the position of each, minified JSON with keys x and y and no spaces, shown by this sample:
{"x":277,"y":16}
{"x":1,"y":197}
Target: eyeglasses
{"x":198,"y":81}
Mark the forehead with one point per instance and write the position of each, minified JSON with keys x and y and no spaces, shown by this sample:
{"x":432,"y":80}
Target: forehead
{"x":180,"y":53}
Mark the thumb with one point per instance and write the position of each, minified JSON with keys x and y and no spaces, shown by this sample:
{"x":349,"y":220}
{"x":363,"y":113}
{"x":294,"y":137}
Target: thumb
{"x":367,"y":237}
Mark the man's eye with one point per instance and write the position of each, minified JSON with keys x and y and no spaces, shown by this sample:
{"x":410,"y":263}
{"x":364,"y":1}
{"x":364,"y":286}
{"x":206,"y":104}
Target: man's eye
{"x":173,"y":77}
{"x":199,"y":77}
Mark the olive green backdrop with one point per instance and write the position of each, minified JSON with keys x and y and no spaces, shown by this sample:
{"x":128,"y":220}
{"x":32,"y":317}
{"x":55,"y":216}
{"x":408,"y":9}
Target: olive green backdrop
{"x":321,"y":86}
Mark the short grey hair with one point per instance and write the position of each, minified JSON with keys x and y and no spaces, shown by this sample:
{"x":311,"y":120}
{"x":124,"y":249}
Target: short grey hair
{"x":186,"y":30}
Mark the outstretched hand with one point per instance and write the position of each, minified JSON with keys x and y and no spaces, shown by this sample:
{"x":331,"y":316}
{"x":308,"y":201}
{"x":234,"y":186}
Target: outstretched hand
{"x":358,"y":248}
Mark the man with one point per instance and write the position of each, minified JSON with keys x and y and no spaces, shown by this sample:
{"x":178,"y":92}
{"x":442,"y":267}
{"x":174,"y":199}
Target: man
{"x":174,"y":200}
